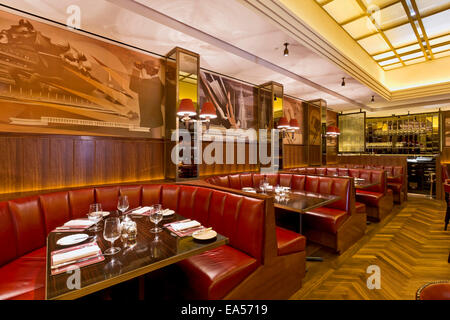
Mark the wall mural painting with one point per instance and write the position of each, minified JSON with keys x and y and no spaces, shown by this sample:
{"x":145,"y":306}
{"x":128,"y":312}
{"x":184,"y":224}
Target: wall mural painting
{"x":293,"y":109}
{"x":53,"y":80}
{"x":235,"y":102}
{"x":315,"y":125}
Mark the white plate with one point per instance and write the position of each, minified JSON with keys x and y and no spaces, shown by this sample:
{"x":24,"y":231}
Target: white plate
{"x":106,"y":213}
{"x":199,"y":235}
{"x":72,"y":239}
{"x":248,"y":189}
{"x":168,"y":212}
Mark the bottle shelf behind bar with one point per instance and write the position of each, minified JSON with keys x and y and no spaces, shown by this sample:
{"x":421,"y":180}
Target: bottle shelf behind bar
{"x":407,"y":134}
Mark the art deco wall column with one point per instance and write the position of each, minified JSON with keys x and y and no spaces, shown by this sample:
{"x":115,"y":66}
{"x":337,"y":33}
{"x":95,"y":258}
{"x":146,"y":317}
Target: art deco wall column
{"x":181,"y":144}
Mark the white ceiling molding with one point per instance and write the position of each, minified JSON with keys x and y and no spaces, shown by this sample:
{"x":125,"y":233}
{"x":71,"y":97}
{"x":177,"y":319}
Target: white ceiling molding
{"x":170,"y":22}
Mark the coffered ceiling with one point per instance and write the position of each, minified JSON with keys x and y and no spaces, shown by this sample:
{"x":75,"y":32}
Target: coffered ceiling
{"x":395,"y":33}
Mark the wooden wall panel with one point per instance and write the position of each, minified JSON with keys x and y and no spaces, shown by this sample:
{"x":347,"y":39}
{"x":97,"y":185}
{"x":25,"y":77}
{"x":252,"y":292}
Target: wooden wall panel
{"x":216,"y":168}
{"x":83,"y":162}
{"x":31,"y":163}
{"x":294,"y":156}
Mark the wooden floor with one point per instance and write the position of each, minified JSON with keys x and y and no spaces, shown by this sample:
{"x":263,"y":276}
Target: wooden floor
{"x":410,"y":246}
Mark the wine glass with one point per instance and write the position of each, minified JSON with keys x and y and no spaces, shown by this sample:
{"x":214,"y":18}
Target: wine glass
{"x":155,"y":217}
{"x":262,"y":186}
{"x":123,"y":205}
{"x":95,"y":214}
{"x":111,"y":233}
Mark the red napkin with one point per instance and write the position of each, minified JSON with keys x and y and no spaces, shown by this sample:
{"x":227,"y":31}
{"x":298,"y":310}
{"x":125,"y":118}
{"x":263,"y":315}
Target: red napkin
{"x":183,"y":233}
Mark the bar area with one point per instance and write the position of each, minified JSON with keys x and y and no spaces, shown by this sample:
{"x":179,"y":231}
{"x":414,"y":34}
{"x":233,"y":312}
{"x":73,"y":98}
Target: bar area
{"x":179,"y":154}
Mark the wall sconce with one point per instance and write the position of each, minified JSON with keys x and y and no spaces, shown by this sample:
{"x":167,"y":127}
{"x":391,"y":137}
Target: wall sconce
{"x":293,"y":125}
{"x":208,"y":112}
{"x":186,"y":110}
{"x":333,"y":131}
{"x":283,"y":125}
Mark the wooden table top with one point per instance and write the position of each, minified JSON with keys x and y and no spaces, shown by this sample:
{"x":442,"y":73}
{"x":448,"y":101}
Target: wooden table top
{"x":302,"y":201}
{"x":148,"y":253}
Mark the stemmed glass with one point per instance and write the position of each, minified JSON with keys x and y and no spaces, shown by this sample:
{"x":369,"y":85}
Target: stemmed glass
{"x":95,"y":214}
{"x":123,"y":205}
{"x":111,"y":233}
{"x":156,"y":216}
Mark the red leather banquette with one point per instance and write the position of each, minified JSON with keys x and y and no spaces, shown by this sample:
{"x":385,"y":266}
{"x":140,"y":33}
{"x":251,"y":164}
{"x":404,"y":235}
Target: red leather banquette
{"x":337,"y":225}
{"x":397,"y":185}
{"x":377,"y":199}
{"x":230,"y":271}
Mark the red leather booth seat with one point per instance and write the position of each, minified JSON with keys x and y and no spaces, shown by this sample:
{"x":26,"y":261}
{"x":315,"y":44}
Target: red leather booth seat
{"x":25,"y":223}
{"x":377,"y":199}
{"x":439,"y":290}
{"x":395,"y":184}
{"x":325,"y":225}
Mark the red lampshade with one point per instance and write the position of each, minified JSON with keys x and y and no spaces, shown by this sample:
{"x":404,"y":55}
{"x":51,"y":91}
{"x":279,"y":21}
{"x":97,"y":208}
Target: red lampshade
{"x":208,"y":111}
{"x":283,"y":123}
{"x":333,"y":131}
{"x":293,"y":124}
{"x":186,"y":108}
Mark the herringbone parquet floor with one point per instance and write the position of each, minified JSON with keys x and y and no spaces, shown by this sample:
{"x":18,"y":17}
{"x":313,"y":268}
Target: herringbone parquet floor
{"x":410,"y":247}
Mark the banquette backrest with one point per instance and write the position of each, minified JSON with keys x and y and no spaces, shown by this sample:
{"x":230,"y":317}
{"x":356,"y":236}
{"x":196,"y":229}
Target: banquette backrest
{"x":25,"y":223}
{"x":373,"y":175}
{"x":301,"y":182}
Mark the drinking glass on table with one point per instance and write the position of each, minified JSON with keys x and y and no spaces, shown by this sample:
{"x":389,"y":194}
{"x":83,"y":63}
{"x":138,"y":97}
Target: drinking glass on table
{"x":111,"y":233}
{"x":156,"y":216}
{"x":123,"y":205}
{"x":95,"y":214}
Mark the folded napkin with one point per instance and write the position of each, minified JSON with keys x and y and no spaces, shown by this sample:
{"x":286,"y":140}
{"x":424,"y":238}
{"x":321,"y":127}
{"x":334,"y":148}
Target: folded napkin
{"x":141,"y":210}
{"x":185,"y":225}
{"x":74,"y":255}
{"x":79,"y":223}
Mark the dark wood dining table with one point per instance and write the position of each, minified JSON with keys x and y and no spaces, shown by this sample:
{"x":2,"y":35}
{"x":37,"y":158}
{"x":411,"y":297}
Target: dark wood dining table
{"x":300,"y":202}
{"x":149,"y":252}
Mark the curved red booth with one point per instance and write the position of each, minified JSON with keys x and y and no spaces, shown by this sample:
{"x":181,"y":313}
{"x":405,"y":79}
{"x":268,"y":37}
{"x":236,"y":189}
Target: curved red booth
{"x":376,"y":200}
{"x":251,"y":263}
{"x":337,"y":225}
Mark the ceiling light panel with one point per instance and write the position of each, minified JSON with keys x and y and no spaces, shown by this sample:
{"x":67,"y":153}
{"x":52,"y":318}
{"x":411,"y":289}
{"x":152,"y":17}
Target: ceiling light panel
{"x":427,"y":6}
{"x":401,"y":36}
{"x":379,"y":3}
{"x":342,"y":10}
{"x":392,"y":15}
{"x":390,"y":61}
{"x":412,"y":55}
{"x":441,"y":48}
{"x":359,"y":28}
{"x":439,"y":40}
{"x":374,"y":44}
{"x":408,"y":48}
{"x":437,"y":24}
{"x":384,"y":55}
{"x":414,"y":61}
{"x":442,"y":54}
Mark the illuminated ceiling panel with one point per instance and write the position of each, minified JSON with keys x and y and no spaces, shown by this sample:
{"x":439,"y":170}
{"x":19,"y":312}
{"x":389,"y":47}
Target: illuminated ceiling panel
{"x":395,"y":33}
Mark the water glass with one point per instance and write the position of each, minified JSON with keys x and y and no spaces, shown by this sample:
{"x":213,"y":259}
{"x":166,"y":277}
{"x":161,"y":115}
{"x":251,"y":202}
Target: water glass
{"x":123,"y":204}
{"x":111,"y":233}
{"x":95,"y":214}
{"x":156,"y":216}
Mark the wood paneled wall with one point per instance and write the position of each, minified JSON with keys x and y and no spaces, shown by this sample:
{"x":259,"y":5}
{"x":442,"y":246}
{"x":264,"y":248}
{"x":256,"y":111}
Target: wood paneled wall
{"x":217,"y":168}
{"x":294,"y":155}
{"x":49,"y":162}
